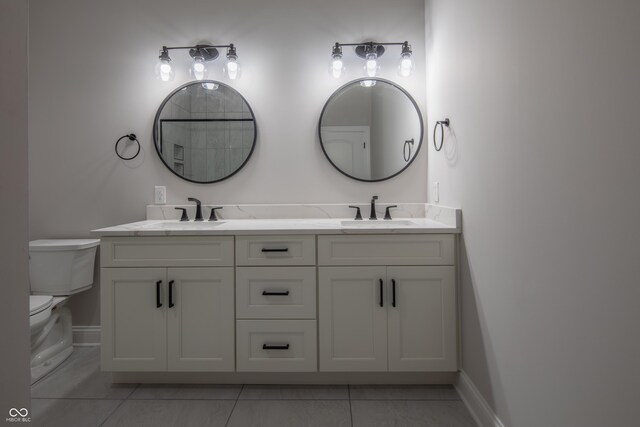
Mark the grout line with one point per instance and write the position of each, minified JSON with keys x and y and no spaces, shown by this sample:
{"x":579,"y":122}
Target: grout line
{"x":407,"y":400}
{"x":350,"y":407}
{"x":132,"y":391}
{"x":112,"y":412}
{"x":275,"y":399}
{"x":234,"y":406}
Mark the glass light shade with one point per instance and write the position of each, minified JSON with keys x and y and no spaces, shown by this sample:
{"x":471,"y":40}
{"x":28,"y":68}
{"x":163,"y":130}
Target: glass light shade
{"x":232,"y":68}
{"x":210,"y":86}
{"x":337,"y":67}
{"x":406,"y":65}
{"x":164,"y":71}
{"x":199,"y":68}
{"x":368,"y":83}
{"x":371,"y":66}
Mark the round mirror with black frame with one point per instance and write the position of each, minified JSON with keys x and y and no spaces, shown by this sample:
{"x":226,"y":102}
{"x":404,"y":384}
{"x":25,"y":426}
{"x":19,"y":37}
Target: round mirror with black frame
{"x":204,"y":131}
{"x":371,"y":129}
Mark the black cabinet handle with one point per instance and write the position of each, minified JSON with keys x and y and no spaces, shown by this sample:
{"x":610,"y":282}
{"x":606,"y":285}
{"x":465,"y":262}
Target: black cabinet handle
{"x":158,"y":302}
{"x":275,"y":346}
{"x":171,"y":304}
{"x":276,"y":293}
{"x":275,"y":249}
{"x":381,"y":293}
{"x":393,"y":292}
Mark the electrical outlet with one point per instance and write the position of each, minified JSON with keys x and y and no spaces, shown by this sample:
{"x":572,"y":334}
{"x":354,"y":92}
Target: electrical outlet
{"x":160,"y":195}
{"x":436,"y":191}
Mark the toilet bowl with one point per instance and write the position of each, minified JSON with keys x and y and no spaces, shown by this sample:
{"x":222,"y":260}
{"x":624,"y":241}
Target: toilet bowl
{"x":57,"y":269}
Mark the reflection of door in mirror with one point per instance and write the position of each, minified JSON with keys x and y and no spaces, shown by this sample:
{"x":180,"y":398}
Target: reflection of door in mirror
{"x":363,"y":129}
{"x":350,"y":149}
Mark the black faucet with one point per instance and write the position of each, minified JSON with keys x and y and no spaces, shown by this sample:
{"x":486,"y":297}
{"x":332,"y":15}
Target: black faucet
{"x":198,"y":208}
{"x":373,"y":208}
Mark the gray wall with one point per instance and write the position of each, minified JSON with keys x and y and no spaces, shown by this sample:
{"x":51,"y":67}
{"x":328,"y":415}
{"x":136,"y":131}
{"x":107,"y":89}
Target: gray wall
{"x":543,"y":158}
{"x":14,"y":262}
{"x":97,"y":84}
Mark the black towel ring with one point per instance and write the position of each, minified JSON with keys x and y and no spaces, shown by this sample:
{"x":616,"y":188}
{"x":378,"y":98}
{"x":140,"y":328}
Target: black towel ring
{"x":132,"y":137}
{"x":440,"y":123}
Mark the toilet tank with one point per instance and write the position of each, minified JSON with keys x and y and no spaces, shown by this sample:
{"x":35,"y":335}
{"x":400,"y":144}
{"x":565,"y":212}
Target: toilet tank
{"x":61,"y":266}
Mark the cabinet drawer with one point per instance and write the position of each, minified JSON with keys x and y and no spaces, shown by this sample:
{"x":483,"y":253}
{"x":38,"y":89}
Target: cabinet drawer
{"x":174,"y":251}
{"x":409,"y":249}
{"x":276,"y":293}
{"x":276,"y":250}
{"x":276,"y":345}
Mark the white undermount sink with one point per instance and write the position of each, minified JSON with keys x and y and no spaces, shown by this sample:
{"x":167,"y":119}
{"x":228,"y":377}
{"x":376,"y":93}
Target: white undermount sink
{"x":200,"y":225}
{"x":381,"y":223}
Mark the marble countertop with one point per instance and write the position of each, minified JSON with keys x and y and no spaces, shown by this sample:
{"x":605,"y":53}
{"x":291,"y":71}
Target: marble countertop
{"x":173,"y":227}
{"x":409,"y":218}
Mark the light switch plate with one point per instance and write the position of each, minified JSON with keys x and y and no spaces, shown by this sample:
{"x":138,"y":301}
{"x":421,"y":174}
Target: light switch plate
{"x":436,"y":191}
{"x":160,"y":195}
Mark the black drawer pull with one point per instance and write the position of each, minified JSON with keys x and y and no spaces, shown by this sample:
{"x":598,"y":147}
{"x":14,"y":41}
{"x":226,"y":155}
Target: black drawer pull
{"x":393,"y":292}
{"x":275,"y":249}
{"x":171,"y":304}
{"x":381,"y":293}
{"x":276,"y":293}
{"x":275,"y":346}
{"x":158,"y":302}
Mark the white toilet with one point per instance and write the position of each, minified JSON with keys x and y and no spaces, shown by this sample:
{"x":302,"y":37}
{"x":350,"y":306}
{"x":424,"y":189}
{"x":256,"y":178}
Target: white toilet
{"x":57,"y":270}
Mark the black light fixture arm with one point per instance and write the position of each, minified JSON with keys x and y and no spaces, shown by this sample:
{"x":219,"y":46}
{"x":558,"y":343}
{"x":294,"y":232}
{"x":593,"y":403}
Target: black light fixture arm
{"x":372,"y":44}
{"x":198,"y":46}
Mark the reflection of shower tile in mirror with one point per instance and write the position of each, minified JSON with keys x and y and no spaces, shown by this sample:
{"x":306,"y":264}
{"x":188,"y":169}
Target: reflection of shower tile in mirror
{"x":233,"y":102}
{"x":198,"y":134}
{"x":235,"y":159}
{"x":168,"y":132}
{"x":234,"y":134}
{"x":210,"y":164}
{"x":247,"y":134}
{"x":198,"y":163}
{"x":198,"y":100}
{"x":183,"y":102}
{"x":187,"y":162}
{"x":215,"y":102}
{"x":216,"y":134}
{"x":233,"y":115}
{"x":217,"y":165}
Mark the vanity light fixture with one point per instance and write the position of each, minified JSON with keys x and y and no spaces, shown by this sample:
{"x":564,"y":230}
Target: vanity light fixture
{"x":164,"y":69}
{"x":201,"y":55}
{"x":371,"y":52}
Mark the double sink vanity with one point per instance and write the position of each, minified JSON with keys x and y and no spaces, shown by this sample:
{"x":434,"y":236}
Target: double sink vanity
{"x":303,"y":294}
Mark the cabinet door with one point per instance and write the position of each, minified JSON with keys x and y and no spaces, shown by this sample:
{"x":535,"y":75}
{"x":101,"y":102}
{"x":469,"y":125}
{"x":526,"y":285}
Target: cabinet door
{"x":134,"y":329}
{"x":352,"y":319}
{"x":201,"y":321}
{"x":422,"y":325}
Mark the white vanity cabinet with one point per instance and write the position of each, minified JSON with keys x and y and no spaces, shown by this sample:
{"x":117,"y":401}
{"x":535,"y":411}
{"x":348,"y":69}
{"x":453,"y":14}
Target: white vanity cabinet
{"x":276,"y":304}
{"x":297,"y":304}
{"x":395,"y":317}
{"x":167,"y":318}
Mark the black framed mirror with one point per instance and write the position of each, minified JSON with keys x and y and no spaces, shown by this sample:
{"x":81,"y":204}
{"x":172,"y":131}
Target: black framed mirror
{"x":204,"y":131}
{"x":371,"y":129}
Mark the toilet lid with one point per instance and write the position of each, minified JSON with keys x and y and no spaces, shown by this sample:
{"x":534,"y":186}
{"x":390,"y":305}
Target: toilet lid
{"x":37,"y":303}
{"x":48,"y":245}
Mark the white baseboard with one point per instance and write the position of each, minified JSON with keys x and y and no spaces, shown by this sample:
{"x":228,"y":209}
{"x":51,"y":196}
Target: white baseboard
{"x":477,"y":405}
{"x":86,"y":336}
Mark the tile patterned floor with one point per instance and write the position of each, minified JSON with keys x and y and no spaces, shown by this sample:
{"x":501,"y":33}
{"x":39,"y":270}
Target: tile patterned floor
{"x":77,"y":394}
